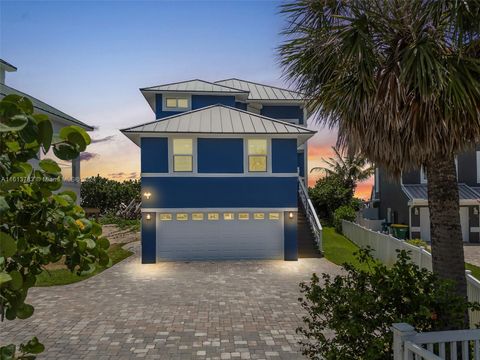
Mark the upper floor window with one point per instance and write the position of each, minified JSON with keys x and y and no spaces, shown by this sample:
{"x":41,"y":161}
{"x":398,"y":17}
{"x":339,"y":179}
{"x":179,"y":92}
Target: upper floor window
{"x":176,"y":103}
{"x":423,"y":172}
{"x":257,"y":155}
{"x":183,"y":155}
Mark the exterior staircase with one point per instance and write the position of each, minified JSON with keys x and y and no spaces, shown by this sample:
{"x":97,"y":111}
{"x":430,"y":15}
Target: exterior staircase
{"x":309,"y":229}
{"x":307,"y":247}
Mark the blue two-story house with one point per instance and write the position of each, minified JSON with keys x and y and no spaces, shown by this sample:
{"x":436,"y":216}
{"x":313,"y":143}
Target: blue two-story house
{"x":220,"y":170}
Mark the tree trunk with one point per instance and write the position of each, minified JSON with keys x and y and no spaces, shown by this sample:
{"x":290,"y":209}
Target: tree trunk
{"x":446,"y":235}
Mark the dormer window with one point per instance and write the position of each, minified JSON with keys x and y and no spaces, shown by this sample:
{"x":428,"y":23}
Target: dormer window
{"x":176,"y":103}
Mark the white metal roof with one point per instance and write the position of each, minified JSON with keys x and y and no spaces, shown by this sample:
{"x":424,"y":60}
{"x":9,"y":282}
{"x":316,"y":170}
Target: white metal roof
{"x":261,"y":91}
{"x":220,"y":119}
{"x":196,"y":85}
{"x":40,"y":105}
{"x":419,"y":192}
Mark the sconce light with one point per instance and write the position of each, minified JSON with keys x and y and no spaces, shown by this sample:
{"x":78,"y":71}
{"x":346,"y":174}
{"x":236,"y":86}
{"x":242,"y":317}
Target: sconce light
{"x":148,"y":217}
{"x":147,"y":195}
{"x":290,"y":215}
{"x":475,"y":210}
{"x":416,"y":211}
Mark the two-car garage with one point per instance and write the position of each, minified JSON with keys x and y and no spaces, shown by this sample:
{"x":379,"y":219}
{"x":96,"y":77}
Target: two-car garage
{"x":219,"y":236}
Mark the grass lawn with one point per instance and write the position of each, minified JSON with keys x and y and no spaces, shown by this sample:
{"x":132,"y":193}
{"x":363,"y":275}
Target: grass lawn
{"x":339,"y":250}
{"x":63,"y":276}
{"x":474,"y":269}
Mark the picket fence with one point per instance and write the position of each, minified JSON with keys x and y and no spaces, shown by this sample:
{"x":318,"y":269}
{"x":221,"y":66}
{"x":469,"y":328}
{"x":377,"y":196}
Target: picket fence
{"x":384,"y":249}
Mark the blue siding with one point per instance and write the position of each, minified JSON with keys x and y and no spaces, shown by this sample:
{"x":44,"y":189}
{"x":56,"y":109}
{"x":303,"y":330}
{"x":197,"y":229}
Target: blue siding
{"x":301,"y":163}
{"x":154,"y":155}
{"x":284,"y":155}
{"x":204,"y":192}
{"x":290,"y":236}
{"x":220,"y":155}
{"x":149,"y":238}
{"x":241,"y":106}
{"x":200,"y":101}
{"x":283,"y":112}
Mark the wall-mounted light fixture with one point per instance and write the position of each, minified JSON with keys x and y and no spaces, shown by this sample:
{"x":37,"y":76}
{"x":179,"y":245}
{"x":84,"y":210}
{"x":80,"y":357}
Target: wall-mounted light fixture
{"x":147,"y":195}
{"x":416,"y":211}
{"x":475,"y":210}
{"x":290,"y":215}
{"x":148,"y":217}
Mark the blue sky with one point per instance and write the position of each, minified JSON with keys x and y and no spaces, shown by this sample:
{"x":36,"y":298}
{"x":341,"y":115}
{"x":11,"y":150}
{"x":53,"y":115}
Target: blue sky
{"x":89,"y":58}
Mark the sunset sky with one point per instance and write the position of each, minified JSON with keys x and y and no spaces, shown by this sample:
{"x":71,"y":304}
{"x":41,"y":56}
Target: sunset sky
{"x":90,"y":58}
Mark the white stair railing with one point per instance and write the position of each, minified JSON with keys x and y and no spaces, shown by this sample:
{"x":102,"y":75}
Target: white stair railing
{"x":310,"y":214}
{"x":435,"y":345}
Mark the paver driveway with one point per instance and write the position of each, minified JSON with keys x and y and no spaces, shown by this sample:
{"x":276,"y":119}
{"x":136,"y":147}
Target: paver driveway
{"x":197,"y":310}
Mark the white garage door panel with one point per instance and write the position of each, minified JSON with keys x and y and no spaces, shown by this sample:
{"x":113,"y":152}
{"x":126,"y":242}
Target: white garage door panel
{"x":220,"y":239}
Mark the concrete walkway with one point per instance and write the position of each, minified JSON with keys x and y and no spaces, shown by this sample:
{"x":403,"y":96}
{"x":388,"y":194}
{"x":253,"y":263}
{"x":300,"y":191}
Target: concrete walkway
{"x":198,"y":310}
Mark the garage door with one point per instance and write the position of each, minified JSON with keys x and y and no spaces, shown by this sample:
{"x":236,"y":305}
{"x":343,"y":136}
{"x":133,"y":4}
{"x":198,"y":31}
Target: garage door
{"x":219,"y":239}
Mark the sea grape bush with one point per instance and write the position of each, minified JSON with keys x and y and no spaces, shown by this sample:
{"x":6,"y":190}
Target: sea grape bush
{"x":349,"y":316}
{"x":40,"y":223}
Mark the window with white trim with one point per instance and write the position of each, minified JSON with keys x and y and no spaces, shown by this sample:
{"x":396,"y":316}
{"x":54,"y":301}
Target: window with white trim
{"x":423,"y":175}
{"x":257,"y":155}
{"x":176,"y":103}
{"x":423,"y":172}
{"x":182,"y":155}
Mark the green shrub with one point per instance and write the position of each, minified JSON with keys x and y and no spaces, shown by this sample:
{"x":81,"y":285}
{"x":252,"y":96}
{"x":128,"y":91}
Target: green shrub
{"x":418,"y":243}
{"x":345,"y":212}
{"x":328,"y":194}
{"x":107,"y":194}
{"x":358,"y":307}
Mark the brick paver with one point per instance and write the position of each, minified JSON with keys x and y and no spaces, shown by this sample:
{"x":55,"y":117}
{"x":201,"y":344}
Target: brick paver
{"x":179,"y":310}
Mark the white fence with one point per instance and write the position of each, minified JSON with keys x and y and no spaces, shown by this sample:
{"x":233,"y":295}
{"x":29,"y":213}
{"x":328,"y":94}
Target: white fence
{"x":375,"y":225}
{"x":384,"y":249}
{"x":435,"y":345}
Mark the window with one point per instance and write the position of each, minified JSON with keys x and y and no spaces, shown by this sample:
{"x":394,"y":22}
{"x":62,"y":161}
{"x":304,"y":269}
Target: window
{"x":213,"y":216}
{"x":176,"y":103}
{"x":182,"y":155}
{"x":257,"y":155}
{"x":165,"y":217}
{"x":423,"y":175}
{"x":197,"y":216}
{"x":243,"y":216}
{"x":274,"y":216}
{"x":228,"y":216}
{"x":182,"y":217}
{"x":259,"y":216}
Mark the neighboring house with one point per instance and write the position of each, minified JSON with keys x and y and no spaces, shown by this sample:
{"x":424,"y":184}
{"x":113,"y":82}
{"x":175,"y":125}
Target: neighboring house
{"x":70,"y":169}
{"x":406,"y":201}
{"x":220,"y":167}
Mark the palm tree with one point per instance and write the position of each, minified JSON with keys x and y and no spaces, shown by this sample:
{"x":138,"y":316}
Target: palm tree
{"x":401,"y":81}
{"x":351,"y":168}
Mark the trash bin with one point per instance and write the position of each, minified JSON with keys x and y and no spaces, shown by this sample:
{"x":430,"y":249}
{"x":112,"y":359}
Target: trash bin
{"x":399,"y":231}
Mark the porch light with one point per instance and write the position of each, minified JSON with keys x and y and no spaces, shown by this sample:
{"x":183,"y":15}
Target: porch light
{"x":290,"y":215}
{"x":148,"y":217}
{"x":416,"y":211}
{"x":147,"y":195}
{"x":475,"y":211}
